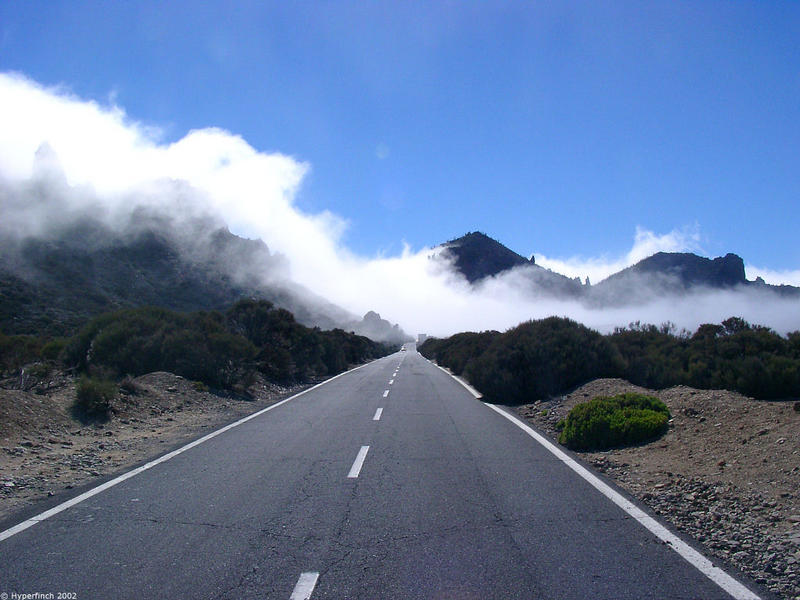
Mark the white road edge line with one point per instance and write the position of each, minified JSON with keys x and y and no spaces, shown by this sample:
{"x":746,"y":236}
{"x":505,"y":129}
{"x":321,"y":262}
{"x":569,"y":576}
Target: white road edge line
{"x":700,"y":562}
{"x":109,"y":484}
{"x":470,"y":389}
{"x":386,"y":393}
{"x":359,"y":462}
{"x":305,"y":586}
{"x":378,"y":414}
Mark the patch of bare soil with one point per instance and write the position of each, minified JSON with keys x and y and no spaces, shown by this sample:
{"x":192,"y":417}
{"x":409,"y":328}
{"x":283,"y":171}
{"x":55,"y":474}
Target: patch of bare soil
{"x":45,"y":448}
{"x":727,"y":473}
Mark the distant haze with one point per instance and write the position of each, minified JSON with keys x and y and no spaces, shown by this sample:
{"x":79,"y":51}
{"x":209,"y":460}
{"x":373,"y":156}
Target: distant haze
{"x":104,"y":162}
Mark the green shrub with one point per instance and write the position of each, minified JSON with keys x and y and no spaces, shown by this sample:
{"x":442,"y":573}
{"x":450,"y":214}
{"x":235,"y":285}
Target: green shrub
{"x":457,"y":351}
{"x":129,"y":386}
{"x":39,"y":370}
{"x":223,"y":351}
{"x":93,"y":396}
{"x":18,"y":350}
{"x":550,"y":356}
{"x":612,"y":422}
{"x":541,"y":358}
{"x":52,"y":349}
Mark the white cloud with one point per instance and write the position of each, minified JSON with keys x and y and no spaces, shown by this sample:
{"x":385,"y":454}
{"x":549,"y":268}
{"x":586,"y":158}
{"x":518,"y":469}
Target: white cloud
{"x":774,"y":277}
{"x":116,"y":161}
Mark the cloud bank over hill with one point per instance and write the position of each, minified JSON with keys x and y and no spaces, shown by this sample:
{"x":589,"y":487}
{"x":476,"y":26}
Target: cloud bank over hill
{"x":645,"y":243}
{"x":106,"y":163}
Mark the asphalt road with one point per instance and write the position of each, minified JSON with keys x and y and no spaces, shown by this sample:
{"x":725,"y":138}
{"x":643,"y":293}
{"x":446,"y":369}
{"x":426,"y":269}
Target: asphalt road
{"x":449,"y":500}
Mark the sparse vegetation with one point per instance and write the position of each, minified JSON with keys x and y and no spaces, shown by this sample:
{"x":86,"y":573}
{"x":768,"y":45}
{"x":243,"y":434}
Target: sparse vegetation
{"x":611,"y":422}
{"x":19,"y":350}
{"x":93,"y":397}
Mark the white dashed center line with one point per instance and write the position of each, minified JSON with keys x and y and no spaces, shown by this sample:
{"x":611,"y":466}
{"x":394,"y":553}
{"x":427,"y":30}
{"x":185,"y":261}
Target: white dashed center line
{"x":305,"y":586}
{"x":359,"y":462}
{"x":391,"y":381}
{"x":378,"y":414}
{"x":386,"y":393}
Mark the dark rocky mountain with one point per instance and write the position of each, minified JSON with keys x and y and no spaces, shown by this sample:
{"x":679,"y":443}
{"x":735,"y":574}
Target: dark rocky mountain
{"x":376,"y":328}
{"x":477,"y":257}
{"x":675,"y":273}
{"x":688,"y":270}
{"x":54,"y":282}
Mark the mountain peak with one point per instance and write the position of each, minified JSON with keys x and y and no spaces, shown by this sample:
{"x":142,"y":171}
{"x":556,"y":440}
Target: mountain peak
{"x":691,"y":270}
{"x":477,"y":256}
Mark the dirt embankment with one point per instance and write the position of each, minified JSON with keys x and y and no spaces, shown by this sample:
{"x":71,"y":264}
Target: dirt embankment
{"x":727,"y":473}
{"x":44,"y":449}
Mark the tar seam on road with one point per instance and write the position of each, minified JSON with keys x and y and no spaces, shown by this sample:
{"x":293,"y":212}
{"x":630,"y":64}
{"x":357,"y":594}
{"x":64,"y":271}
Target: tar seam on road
{"x":119,"y":479}
{"x":386,"y":393}
{"x":359,"y":462}
{"x":378,"y":414}
{"x":697,"y":560}
{"x":305,"y":586}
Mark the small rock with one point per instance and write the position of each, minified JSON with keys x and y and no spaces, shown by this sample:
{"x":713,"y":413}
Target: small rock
{"x":741,"y":556}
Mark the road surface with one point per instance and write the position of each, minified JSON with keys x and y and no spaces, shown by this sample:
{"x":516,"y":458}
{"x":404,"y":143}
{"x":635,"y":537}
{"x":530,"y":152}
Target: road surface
{"x":390,"y":481}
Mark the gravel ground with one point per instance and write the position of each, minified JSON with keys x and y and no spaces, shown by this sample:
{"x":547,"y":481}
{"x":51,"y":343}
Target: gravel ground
{"x":726,"y":473}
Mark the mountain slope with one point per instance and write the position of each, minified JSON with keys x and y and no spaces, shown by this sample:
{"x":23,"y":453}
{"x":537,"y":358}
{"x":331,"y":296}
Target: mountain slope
{"x":53,"y":283}
{"x":476,"y":256}
{"x":688,"y":270}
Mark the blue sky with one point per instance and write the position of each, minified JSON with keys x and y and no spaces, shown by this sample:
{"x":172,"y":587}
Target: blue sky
{"x":557,"y":128}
